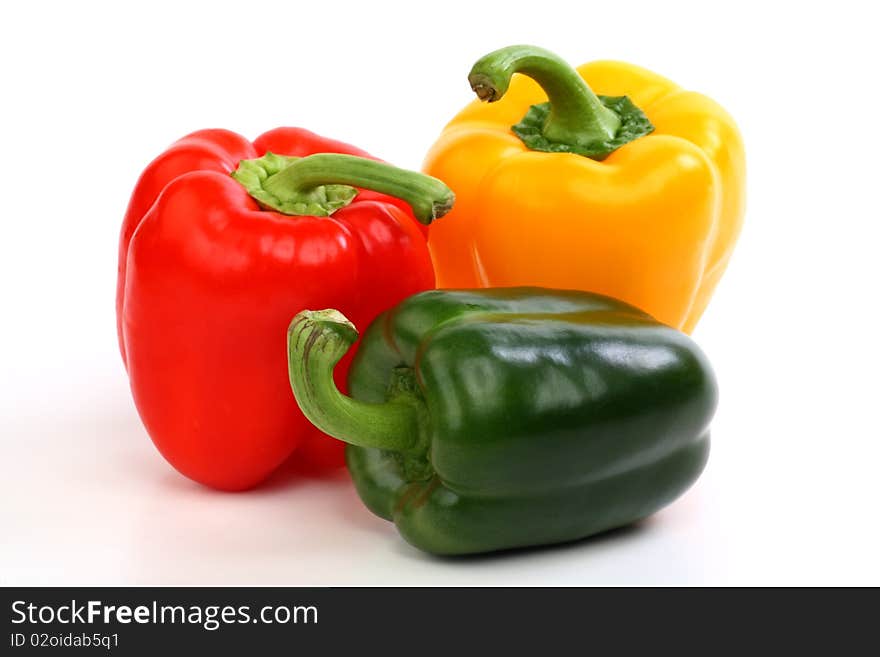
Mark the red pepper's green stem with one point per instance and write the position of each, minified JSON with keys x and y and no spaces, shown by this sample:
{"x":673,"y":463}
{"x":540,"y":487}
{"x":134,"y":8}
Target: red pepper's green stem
{"x":576,"y":117}
{"x":316,"y":340}
{"x":322,"y":183}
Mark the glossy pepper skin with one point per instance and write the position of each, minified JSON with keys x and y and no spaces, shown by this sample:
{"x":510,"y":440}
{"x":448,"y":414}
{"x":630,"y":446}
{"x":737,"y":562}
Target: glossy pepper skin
{"x":653,"y":223}
{"x":485,"y":420}
{"x":209,"y":277}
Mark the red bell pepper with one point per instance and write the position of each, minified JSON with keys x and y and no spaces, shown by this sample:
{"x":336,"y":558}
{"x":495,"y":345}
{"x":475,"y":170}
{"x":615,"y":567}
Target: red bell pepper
{"x":212,"y":266}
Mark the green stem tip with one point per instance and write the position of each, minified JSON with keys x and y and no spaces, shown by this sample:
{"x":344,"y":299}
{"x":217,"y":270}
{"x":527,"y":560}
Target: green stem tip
{"x":575,"y":119}
{"x":320,"y":184}
{"x":316,"y":341}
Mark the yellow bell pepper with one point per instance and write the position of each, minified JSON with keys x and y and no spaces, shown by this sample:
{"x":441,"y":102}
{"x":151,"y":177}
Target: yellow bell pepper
{"x":642,"y":201}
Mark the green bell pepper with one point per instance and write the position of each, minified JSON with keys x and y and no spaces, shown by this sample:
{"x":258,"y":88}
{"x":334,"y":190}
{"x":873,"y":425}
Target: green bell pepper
{"x":492,"y":419}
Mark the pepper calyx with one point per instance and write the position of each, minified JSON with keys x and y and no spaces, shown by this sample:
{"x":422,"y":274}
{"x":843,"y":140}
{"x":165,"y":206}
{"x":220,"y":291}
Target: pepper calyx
{"x":633,"y":124}
{"x":319,"y":201}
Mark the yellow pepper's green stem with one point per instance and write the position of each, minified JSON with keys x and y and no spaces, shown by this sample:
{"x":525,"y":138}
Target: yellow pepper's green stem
{"x":577,"y":117}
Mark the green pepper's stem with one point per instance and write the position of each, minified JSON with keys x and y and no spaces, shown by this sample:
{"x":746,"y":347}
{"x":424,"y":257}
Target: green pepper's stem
{"x":290,"y":186}
{"x":576,"y":117}
{"x":316,"y":340}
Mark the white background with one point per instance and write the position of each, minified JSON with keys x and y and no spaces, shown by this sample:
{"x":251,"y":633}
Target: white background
{"x":93,"y":92}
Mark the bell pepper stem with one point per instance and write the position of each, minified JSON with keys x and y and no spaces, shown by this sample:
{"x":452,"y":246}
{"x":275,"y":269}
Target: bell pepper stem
{"x":316,"y":340}
{"x":429,"y":197}
{"x":577,"y":116}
